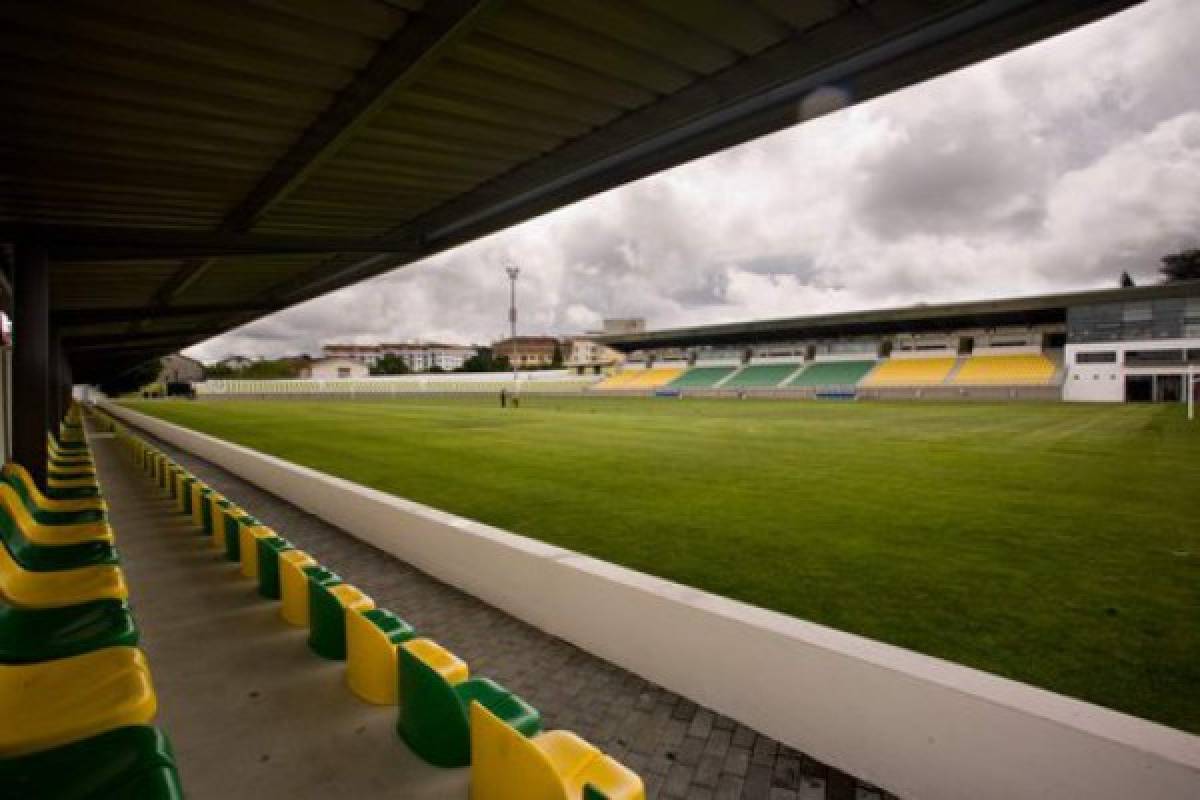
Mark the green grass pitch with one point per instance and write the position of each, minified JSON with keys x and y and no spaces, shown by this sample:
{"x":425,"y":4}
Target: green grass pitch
{"x":1055,"y":544}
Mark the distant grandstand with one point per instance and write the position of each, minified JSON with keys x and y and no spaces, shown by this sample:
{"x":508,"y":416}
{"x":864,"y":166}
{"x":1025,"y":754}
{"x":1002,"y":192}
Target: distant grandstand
{"x":1134,"y":344}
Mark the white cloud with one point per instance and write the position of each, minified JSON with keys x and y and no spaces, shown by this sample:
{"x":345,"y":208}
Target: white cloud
{"x":1052,"y":168}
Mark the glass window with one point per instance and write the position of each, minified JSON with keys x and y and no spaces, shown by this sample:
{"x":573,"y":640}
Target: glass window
{"x":1100,"y":357}
{"x":1152,"y":358}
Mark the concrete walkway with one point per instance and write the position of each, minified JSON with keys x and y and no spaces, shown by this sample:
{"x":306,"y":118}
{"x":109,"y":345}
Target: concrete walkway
{"x":250,"y":711}
{"x":684,"y":752}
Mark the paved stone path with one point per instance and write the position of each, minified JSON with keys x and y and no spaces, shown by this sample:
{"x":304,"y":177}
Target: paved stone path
{"x":683,"y":751}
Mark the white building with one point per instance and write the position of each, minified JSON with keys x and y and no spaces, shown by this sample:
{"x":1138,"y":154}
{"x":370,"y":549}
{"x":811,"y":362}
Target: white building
{"x":419,"y":356}
{"x":327,"y":369}
{"x":422,"y":357}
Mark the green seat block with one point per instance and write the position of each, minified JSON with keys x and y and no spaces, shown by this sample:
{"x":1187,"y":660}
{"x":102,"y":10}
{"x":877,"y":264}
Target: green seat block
{"x":326,"y":619}
{"x":206,"y":527}
{"x":125,"y":763}
{"x":395,"y":628}
{"x":269,"y":548}
{"x":49,"y":517}
{"x":71,"y":492}
{"x":434,"y":715}
{"x":28,"y":635}
{"x":70,"y":473}
{"x":233,"y":539}
{"x":187,"y":482}
{"x":52,"y":558}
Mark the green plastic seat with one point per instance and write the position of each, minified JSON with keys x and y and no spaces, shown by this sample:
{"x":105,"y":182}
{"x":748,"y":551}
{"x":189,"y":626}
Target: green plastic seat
{"x":435,"y":714}
{"x":29,"y":635}
{"x":122,"y":764}
{"x":71,"y":492}
{"x":318,"y":578}
{"x":70,"y":472}
{"x":45,"y":517}
{"x":206,"y":526}
{"x":186,"y":489}
{"x":329,"y":599}
{"x":52,"y":558}
{"x":269,"y":548}
{"x":233,"y":538}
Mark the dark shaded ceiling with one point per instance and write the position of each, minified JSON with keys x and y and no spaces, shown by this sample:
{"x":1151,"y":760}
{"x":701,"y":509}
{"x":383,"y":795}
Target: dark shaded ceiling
{"x":192,"y":165}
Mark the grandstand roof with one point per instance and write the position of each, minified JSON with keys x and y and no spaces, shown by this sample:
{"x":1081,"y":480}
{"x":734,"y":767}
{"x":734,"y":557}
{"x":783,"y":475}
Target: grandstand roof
{"x":193,"y":165}
{"x":1043,"y":309}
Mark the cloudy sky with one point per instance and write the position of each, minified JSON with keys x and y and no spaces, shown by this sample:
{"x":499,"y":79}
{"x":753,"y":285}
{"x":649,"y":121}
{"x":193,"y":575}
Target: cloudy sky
{"x":1055,"y":167}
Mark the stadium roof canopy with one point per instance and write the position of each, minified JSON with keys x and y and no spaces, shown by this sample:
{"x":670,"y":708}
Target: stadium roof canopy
{"x":1045,"y":309}
{"x":190,"y":165}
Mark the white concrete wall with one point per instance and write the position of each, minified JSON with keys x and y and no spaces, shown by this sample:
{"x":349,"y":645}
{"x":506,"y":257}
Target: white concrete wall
{"x":1105,"y":383}
{"x":920,"y":727}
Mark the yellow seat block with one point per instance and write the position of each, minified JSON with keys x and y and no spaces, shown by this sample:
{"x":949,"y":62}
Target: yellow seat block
{"x":352,"y":598}
{"x":555,"y":765}
{"x":248,"y":547}
{"x":49,"y":535}
{"x":910,"y":372}
{"x":293,"y":586}
{"x":452,"y":668}
{"x":65,"y":587}
{"x":85,"y":482}
{"x":56,"y":702}
{"x":371,"y":661}
{"x":15,"y":470}
{"x":198,"y":504}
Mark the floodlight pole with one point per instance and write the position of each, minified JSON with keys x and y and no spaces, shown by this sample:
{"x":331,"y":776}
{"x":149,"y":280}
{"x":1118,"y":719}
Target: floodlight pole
{"x":1191,"y":390}
{"x":513,"y":271}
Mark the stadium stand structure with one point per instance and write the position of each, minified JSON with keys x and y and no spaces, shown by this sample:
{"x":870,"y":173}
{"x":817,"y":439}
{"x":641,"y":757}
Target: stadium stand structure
{"x":702,"y":377}
{"x":76,"y":695}
{"x":438,"y":702}
{"x":761,"y":376}
{"x":641,"y":378}
{"x":832,"y":375}
{"x":911,"y":372}
{"x":1033,"y":369}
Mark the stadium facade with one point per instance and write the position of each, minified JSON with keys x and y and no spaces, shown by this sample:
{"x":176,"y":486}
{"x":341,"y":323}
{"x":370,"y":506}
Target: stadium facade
{"x":1138,"y":344}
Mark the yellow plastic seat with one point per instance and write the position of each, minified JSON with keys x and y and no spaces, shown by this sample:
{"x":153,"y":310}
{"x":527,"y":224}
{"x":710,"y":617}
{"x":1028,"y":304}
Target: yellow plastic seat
{"x":83,"y":482}
{"x":450,"y":667}
{"x":198,"y":503}
{"x":56,"y":702}
{"x":65,"y":587}
{"x":248,"y":536}
{"x":293,"y":586}
{"x":50,"y":535}
{"x":17,"y":472}
{"x":555,"y":765}
{"x":372,"y":665}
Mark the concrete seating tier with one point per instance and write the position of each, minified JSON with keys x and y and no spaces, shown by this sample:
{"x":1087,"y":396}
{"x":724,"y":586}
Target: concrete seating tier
{"x":842,"y":374}
{"x":1029,"y":369}
{"x":701,"y":377}
{"x":911,"y":372}
{"x":387,"y":663}
{"x":76,"y":697}
{"x":760,"y":376}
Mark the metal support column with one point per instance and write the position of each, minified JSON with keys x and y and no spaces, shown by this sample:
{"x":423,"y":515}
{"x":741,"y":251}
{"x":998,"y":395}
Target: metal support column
{"x":31,"y":374}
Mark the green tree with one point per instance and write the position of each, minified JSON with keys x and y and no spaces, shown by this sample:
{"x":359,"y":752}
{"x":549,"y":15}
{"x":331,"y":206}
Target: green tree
{"x":1127,"y":281}
{"x":390,"y":365}
{"x":1181,"y":266}
{"x":131,"y":379}
{"x":485,"y":361}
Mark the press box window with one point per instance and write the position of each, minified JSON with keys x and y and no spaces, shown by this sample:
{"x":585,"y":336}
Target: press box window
{"x":1107,"y":357}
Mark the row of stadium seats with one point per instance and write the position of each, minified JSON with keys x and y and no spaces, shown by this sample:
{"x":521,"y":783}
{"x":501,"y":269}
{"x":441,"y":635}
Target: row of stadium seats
{"x":1033,"y":369}
{"x":76,"y":699}
{"x":446,"y":716}
{"x":651,"y":378}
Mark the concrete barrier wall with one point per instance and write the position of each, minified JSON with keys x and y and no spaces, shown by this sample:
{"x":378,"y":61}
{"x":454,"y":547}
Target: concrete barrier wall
{"x":922,"y":728}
